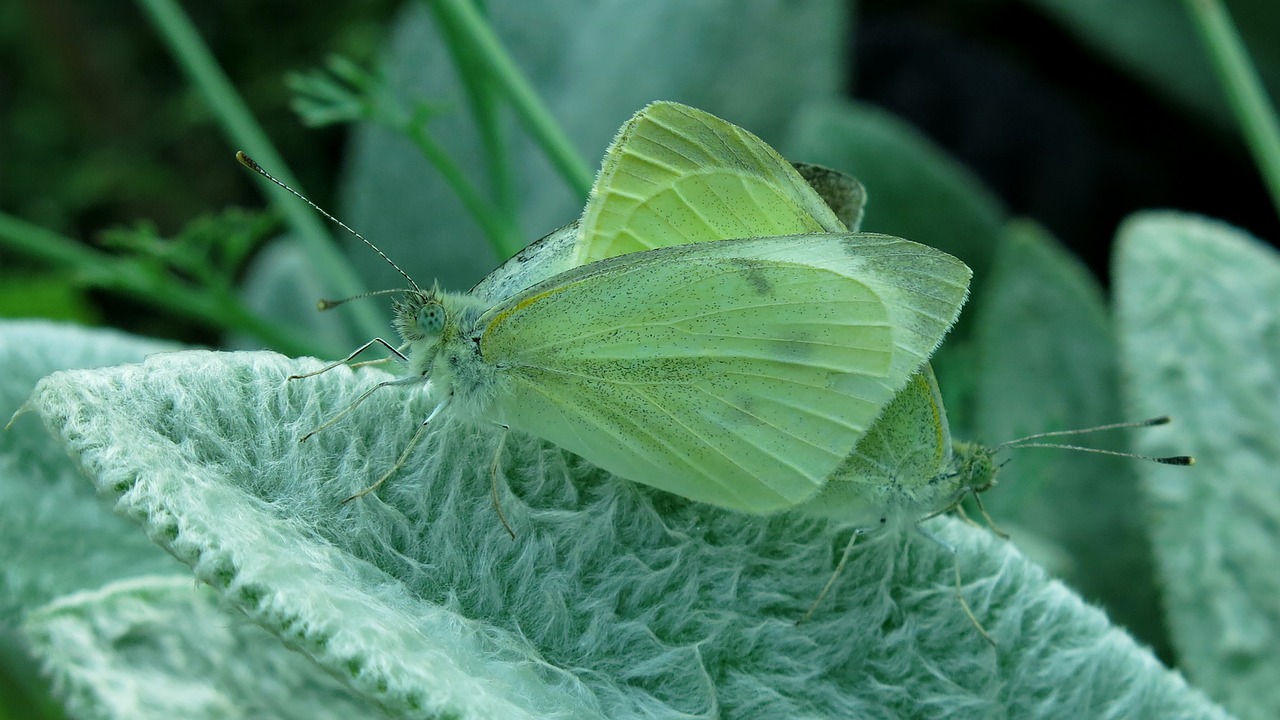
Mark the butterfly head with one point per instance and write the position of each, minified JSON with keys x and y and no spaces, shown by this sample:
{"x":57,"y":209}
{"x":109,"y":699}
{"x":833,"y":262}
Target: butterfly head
{"x":976,"y":467}
{"x":422,"y":319}
{"x":421,"y":316}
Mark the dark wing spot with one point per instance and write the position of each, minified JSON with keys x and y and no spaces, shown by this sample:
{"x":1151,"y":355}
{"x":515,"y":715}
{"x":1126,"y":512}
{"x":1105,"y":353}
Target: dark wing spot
{"x":754,"y":275}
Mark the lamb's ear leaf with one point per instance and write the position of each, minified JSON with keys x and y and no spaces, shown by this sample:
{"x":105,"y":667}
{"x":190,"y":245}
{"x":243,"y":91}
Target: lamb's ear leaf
{"x":57,"y":536}
{"x":1200,"y":333}
{"x":613,"y":601}
{"x":76,"y":599}
{"x":161,"y":647}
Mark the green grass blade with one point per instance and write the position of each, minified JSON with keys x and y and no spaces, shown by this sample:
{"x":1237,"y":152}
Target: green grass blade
{"x":1240,"y":81}
{"x":243,"y":131}
{"x":462,"y":16}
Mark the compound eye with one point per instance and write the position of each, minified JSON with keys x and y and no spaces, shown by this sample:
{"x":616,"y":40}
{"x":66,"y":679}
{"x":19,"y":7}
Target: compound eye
{"x":431,"y":318}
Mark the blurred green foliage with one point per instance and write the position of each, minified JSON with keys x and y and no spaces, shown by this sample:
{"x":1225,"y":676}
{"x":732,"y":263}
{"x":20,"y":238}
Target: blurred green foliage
{"x":101,"y":129}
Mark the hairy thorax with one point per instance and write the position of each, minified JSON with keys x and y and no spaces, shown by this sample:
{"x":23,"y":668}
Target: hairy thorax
{"x":442,"y":334}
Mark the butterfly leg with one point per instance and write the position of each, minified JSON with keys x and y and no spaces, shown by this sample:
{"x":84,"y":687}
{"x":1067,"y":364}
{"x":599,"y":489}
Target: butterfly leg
{"x":412,"y":380}
{"x":963,"y":515}
{"x":955,"y":564}
{"x":367,"y":363}
{"x":349,"y":358}
{"x":493,"y":480}
{"x":844,"y":559}
{"x":958,"y":507}
{"x":987,"y":517}
{"x":404,"y":456}
{"x":26,"y":408}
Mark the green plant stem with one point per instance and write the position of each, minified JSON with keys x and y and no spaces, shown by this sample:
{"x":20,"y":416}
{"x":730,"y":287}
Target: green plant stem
{"x":98,"y":269}
{"x":485,"y":102}
{"x":500,"y":227}
{"x":44,"y":244}
{"x":1244,"y":89}
{"x":243,"y":131}
{"x":476,"y":34}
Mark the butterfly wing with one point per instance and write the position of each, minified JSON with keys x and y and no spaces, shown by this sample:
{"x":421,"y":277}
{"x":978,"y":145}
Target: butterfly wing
{"x":809,"y":188}
{"x":738,"y":373}
{"x":677,"y":175}
{"x":899,"y":469}
{"x":846,"y":197}
{"x":541,"y":259}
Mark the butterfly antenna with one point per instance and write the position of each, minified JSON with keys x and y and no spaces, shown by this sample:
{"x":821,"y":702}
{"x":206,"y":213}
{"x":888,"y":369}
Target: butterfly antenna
{"x":1149,"y":422}
{"x":331,"y":304}
{"x":1025,"y":442}
{"x":1168,"y":460}
{"x":250,"y":163}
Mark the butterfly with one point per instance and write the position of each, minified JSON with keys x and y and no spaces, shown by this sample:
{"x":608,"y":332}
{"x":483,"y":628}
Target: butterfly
{"x":710,"y":327}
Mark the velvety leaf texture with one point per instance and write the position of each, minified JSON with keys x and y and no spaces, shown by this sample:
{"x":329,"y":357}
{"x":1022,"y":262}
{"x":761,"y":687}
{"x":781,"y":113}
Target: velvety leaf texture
{"x":1199,"y":327}
{"x":115,"y":641}
{"x":612,"y":601}
{"x":159,"y":647}
{"x":57,"y":536}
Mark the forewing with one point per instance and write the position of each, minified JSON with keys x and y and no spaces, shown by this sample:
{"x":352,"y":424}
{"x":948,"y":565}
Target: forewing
{"x":541,"y":259}
{"x":676,"y":175}
{"x":739,"y":373}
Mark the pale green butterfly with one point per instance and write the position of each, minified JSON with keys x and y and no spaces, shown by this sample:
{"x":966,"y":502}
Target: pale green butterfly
{"x":737,"y":372}
{"x":666,"y":179}
{"x":677,"y":175}
{"x":668,"y":174}
{"x":674,"y":175}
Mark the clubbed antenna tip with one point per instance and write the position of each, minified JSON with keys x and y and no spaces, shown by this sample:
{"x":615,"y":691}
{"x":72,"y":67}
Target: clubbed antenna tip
{"x":250,"y":163}
{"x":323,"y":305}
